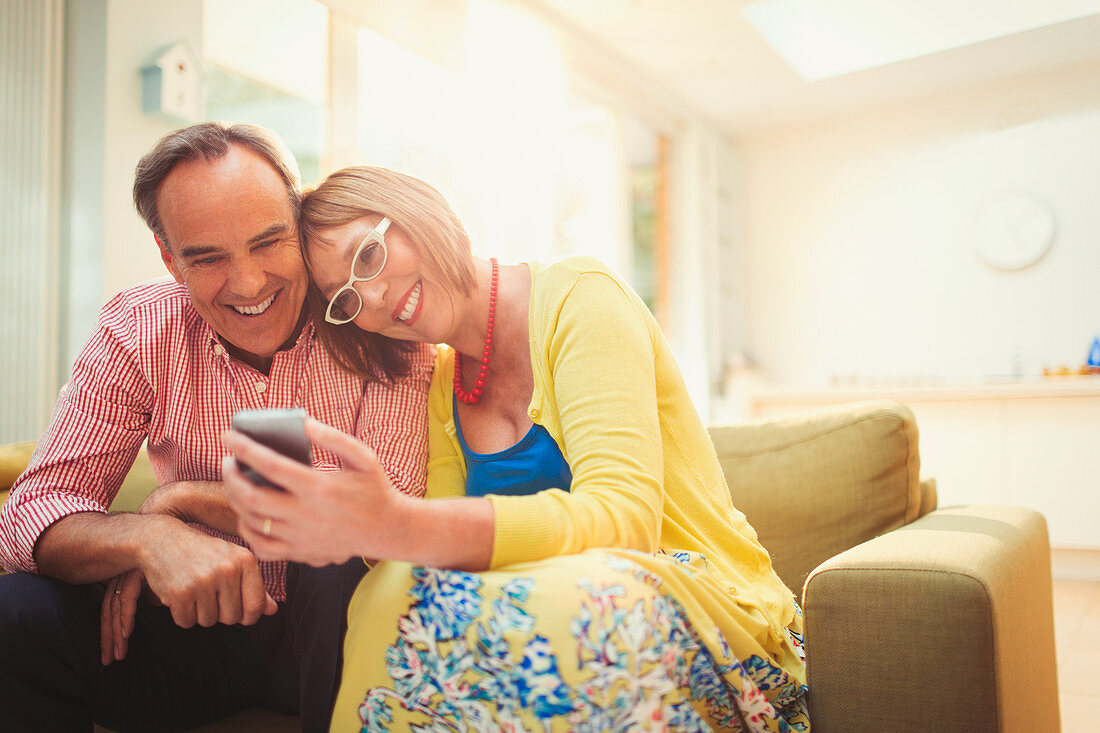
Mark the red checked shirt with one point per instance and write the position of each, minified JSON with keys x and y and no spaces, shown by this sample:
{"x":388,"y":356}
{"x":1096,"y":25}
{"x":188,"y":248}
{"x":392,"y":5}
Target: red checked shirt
{"x":154,"y":370}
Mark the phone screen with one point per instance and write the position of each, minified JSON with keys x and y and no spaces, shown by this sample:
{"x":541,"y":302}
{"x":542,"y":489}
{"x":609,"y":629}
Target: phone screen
{"x":281,"y":429}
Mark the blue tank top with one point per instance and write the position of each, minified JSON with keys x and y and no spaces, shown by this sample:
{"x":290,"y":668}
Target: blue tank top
{"x":529,"y":466}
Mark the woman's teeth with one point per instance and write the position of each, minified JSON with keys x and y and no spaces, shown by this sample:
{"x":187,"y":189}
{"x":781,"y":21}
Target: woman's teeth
{"x":410,"y":304}
{"x":254,"y":310}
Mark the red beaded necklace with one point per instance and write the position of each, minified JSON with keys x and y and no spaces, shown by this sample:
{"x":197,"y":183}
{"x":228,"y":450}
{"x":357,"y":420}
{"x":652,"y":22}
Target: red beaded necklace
{"x":474,"y":396}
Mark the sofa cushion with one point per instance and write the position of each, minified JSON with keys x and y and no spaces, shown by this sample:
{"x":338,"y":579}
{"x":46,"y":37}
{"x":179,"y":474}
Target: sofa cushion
{"x":253,"y":720}
{"x":140,"y":480}
{"x":818,"y":483}
{"x":14,"y":458}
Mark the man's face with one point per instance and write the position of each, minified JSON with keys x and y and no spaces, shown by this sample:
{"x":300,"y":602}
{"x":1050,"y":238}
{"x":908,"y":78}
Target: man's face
{"x":233,"y":241}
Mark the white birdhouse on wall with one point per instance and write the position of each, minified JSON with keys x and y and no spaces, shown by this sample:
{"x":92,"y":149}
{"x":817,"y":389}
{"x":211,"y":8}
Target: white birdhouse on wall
{"x":172,"y":84}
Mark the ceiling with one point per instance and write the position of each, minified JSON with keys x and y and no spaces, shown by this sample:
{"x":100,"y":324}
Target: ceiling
{"x":713,"y":59}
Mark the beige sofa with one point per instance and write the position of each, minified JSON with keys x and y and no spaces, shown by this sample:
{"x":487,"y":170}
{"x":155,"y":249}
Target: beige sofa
{"x":917,"y":619}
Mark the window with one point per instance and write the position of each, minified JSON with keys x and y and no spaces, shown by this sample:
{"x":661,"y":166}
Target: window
{"x":612,"y":198}
{"x":410,"y":114}
{"x":276,"y":75}
{"x":647,"y":165}
{"x":533,"y":169}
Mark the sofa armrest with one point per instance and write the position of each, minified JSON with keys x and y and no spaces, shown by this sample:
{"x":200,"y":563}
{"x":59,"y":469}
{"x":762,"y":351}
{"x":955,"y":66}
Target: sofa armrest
{"x":944,"y":624}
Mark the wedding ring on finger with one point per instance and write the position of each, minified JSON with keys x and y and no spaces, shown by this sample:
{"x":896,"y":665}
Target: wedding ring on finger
{"x":266,"y":530}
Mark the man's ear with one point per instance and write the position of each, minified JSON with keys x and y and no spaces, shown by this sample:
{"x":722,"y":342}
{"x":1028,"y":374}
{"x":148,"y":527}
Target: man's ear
{"x":166,"y":258}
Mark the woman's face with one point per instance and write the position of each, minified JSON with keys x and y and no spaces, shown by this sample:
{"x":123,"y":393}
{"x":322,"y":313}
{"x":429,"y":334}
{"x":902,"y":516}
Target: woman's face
{"x":405,"y":301}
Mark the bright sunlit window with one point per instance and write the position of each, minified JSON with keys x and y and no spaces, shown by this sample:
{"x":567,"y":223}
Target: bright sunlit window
{"x":409,"y":107}
{"x":648,"y":159}
{"x":275,"y":76}
{"x":484,"y":135}
{"x":534,"y":169}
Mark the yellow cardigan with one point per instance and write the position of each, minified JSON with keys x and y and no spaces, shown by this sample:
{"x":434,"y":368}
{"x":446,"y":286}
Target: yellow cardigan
{"x":645,"y":474}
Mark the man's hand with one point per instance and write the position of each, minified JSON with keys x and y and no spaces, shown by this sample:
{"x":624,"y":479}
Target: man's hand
{"x":203,"y":580}
{"x":198,"y":502}
{"x":116,"y":620}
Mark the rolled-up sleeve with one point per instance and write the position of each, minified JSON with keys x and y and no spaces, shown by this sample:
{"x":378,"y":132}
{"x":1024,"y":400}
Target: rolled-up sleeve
{"x":97,"y":427}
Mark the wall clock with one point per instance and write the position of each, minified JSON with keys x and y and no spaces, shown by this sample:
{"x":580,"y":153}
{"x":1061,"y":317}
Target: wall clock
{"x":1012,"y":230}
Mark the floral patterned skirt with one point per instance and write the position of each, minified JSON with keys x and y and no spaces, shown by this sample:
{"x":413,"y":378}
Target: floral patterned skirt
{"x":599,"y":641}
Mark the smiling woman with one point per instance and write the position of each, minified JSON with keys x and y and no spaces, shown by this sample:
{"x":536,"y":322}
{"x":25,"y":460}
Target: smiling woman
{"x":576,"y":562}
{"x":389,"y":302}
{"x":338,"y":226}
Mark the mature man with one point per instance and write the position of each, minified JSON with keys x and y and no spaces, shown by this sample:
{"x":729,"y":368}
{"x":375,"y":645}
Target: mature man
{"x":169,"y":363}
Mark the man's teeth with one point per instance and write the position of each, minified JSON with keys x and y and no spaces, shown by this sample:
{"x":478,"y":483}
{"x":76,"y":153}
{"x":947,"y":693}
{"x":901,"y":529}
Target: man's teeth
{"x":410,"y":304}
{"x":254,"y":310}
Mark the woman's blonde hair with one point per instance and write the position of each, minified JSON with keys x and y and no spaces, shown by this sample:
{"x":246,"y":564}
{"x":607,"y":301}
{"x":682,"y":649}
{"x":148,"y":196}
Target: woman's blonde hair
{"x":419,"y":210}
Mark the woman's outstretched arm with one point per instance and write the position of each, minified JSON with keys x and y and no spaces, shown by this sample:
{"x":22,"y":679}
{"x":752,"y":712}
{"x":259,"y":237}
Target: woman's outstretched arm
{"x":328,"y":517}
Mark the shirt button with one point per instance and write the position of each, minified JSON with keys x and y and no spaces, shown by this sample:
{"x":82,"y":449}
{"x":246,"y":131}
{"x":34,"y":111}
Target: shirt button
{"x":218,"y":350}
{"x":261,"y":387}
{"x":534,"y":413}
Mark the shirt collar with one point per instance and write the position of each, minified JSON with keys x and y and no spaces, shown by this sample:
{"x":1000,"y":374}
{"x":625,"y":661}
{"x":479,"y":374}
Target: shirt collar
{"x":217,"y":347}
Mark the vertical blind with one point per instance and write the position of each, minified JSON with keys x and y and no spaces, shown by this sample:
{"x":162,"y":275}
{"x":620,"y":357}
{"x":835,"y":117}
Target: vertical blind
{"x":31,"y":87}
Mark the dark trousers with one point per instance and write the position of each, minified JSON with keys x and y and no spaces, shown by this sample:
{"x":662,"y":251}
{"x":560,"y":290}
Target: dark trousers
{"x":51,"y":678}
{"x":318,"y":621}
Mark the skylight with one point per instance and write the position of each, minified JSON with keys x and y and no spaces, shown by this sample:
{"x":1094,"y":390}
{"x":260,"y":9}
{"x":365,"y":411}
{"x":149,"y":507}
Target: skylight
{"x":820,"y":39}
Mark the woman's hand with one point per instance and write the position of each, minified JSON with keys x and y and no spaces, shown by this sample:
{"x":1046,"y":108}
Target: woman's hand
{"x":321,"y":517}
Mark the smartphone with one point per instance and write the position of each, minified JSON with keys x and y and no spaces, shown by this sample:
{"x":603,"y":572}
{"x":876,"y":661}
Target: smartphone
{"x":281,"y":429}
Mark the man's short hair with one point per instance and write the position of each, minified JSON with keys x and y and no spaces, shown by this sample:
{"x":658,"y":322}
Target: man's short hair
{"x":208,"y":141}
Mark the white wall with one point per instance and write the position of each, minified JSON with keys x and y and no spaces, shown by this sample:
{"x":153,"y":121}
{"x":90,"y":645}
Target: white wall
{"x":857,"y":261}
{"x":107,"y":245}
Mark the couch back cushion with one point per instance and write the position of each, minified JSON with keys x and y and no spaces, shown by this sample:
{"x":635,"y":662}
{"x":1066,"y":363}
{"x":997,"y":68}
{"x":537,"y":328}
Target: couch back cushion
{"x":140,"y":480}
{"x":13,"y":459}
{"x":818,"y":483}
